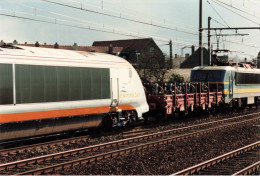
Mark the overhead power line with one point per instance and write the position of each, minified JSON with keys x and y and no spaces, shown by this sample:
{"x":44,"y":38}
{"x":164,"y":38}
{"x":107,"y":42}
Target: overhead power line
{"x":237,"y":9}
{"x":79,"y":27}
{"x":159,"y":19}
{"x":235,"y":12}
{"x":234,"y":42}
{"x":119,"y":17}
{"x":217,"y":13}
{"x":92,"y":23}
{"x":58,"y":22}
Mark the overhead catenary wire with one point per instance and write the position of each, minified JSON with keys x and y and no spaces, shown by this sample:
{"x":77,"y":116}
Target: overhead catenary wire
{"x":120,"y":17}
{"x":245,"y":6}
{"x":150,"y":16}
{"x":244,"y":44}
{"x":235,"y":12}
{"x":226,"y":24}
{"x":237,"y":9}
{"x":131,"y":34}
{"x":218,"y":13}
{"x":95,"y":23}
{"x":57,"y":22}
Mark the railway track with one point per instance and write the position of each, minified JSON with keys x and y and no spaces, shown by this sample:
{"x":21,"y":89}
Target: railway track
{"x":58,"y":161}
{"x":243,"y":161}
{"x":134,"y":132}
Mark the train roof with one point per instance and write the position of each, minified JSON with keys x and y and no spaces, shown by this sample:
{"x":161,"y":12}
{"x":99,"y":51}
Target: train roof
{"x":49,"y":56}
{"x":230,"y":68}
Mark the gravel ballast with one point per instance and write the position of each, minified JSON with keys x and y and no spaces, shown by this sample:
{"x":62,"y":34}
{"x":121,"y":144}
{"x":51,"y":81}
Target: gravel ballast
{"x":111,"y":136}
{"x":167,"y":159}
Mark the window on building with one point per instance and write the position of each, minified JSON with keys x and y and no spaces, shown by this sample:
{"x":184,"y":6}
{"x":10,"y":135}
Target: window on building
{"x":152,"y":52}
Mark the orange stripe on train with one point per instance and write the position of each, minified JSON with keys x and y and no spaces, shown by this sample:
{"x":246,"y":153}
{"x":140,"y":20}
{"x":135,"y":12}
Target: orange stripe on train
{"x":25,"y":116}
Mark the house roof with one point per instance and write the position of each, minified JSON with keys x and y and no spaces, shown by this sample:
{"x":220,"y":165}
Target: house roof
{"x":132,"y":44}
{"x":193,"y":60}
{"x":98,"y":49}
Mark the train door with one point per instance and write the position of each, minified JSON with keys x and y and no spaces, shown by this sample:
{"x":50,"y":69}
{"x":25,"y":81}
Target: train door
{"x":114,"y":84}
{"x":231,"y":86}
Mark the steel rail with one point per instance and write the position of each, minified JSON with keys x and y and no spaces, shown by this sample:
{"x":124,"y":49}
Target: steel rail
{"x":248,"y":170}
{"x":89,"y":159}
{"x":167,"y":132}
{"x":20,"y":149}
{"x":208,"y":163}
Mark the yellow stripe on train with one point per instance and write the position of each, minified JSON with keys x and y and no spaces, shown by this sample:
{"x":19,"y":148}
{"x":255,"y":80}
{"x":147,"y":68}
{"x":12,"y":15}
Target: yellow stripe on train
{"x":226,"y":91}
{"x":251,"y":90}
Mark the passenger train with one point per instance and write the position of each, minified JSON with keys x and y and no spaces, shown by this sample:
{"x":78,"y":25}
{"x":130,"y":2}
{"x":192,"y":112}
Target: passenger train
{"x":44,"y":91}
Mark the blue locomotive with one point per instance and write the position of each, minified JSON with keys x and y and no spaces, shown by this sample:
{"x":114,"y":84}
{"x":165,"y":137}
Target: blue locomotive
{"x":240,"y":84}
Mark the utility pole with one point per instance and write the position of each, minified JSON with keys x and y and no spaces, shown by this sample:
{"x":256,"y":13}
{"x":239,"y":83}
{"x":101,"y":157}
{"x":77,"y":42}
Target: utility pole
{"x":200,"y":35}
{"x":209,"y":48}
{"x":170,"y":49}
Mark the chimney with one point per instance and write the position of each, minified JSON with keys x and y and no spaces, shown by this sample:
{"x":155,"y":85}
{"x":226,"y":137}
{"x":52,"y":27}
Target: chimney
{"x":56,"y":45}
{"x":15,"y":42}
{"x":37,"y":44}
{"x":110,"y":49}
{"x":1,"y":42}
{"x":192,"y":49}
{"x":75,"y":46}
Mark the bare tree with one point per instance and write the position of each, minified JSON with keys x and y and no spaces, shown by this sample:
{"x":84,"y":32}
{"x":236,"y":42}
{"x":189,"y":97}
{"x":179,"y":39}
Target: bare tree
{"x":151,"y":67}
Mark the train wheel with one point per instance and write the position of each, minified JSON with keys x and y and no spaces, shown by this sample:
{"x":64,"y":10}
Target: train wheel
{"x":256,"y":102}
{"x":212,"y":110}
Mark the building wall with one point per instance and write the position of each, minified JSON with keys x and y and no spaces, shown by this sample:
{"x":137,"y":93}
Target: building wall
{"x":151,"y":54}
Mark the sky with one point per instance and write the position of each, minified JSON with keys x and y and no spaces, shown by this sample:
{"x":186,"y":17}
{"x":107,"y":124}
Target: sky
{"x":86,"y":21}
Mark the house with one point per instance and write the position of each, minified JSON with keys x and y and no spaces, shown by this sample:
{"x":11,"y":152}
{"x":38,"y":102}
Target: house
{"x":139,"y":52}
{"x":193,"y":60}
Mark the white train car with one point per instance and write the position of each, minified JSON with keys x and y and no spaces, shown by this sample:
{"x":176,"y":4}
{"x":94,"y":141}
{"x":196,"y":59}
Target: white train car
{"x":44,"y":91}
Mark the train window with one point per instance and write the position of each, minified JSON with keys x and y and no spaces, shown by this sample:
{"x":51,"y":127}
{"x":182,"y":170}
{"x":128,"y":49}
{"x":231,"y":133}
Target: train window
{"x":75,"y":84}
{"x":6,"y":84}
{"x":51,"y":84}
{"x":96,"y":84}
{"x":23,"y":87}
{"x":37,"y":83}
{"x":63,"y":84}
{"x":207,"y":75}
{"x":247,"y":78}
{"x":105,"y":88}
{"x":86,"y":83}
